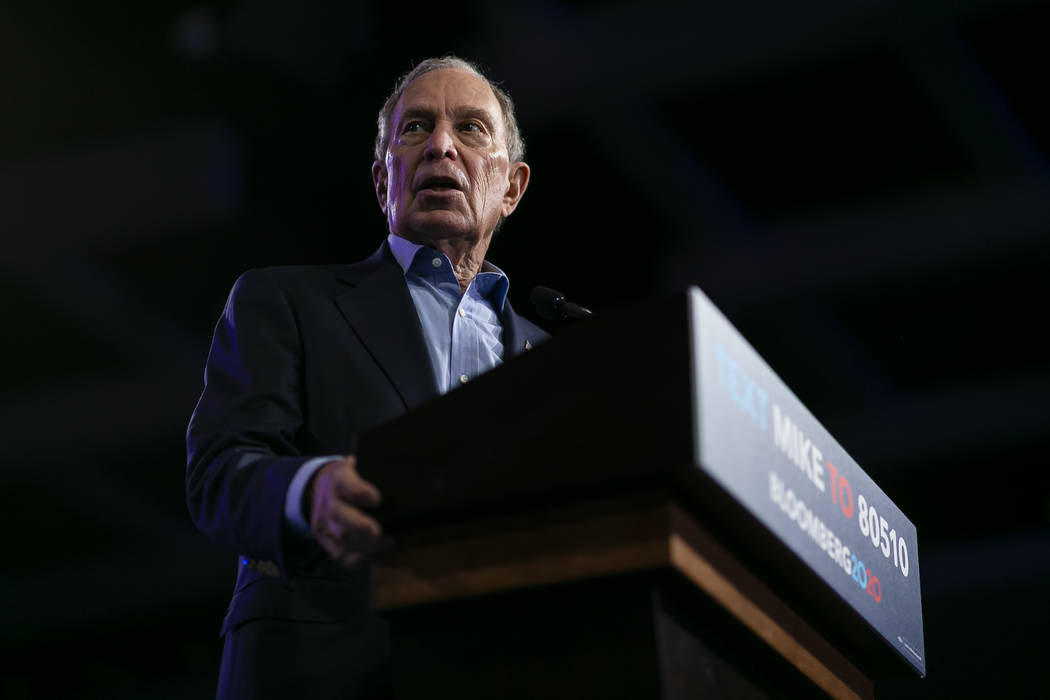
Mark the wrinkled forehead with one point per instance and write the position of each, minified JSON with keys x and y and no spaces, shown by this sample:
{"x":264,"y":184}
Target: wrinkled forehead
{"x":449,"y":92}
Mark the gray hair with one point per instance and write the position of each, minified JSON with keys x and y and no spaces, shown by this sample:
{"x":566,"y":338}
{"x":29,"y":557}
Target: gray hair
{"x":515,"y":144}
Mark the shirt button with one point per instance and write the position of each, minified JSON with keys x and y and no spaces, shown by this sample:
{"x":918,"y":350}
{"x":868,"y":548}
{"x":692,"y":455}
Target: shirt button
{"x":463,"y":379}
{"x":462,"y":313}
{"x":436,"y":262}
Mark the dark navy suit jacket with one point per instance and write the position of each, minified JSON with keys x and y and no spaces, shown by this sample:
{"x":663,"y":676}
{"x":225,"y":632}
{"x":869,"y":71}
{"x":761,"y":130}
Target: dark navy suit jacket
{"x":304,"y":359}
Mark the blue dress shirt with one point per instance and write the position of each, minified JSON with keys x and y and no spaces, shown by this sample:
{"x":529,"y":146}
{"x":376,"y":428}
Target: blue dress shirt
{"x":463,"y":330}
{"x":463,"y":333}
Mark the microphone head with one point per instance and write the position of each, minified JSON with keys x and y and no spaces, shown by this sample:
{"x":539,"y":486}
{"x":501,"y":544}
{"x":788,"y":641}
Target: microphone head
{"x":551,"y":304}
{"x":545,"y":295}
{"x":548,"y":302}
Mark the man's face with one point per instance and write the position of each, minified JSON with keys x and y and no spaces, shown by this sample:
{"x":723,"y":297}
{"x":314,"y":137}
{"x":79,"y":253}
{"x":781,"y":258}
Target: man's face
{"x":446,"y":173}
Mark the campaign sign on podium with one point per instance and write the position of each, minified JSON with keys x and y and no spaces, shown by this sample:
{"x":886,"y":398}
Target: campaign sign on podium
{"x":756,"y":439}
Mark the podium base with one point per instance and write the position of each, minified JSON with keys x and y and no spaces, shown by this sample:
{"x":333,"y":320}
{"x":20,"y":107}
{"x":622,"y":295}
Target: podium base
{"x":627,"y":598}
{"x":638,"y":636}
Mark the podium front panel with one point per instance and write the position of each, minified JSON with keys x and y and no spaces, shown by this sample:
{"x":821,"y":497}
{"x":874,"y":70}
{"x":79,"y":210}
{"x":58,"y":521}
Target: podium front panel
{"x":759,"y":442}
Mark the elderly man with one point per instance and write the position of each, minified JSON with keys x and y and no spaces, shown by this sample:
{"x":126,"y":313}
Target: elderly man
{"x":305,"y":359}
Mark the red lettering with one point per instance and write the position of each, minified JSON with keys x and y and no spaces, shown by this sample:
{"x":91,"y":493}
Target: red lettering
{"x":845,"y":497}
{"x":833,"y":475}
{"x":841,"y":492}
{"x":874,"y":587}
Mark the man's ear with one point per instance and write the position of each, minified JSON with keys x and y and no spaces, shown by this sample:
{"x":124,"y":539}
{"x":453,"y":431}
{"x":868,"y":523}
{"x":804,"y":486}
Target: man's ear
{"x":380,"y":182}
{"x":518,"y":180}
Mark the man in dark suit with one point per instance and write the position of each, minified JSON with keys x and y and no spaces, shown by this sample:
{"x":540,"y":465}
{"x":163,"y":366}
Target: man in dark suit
{"x":306,"y":359}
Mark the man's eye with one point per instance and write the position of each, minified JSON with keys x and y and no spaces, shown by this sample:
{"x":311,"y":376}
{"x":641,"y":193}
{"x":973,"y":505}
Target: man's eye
{"x":412,"y":127}
{"x":472,"y":127}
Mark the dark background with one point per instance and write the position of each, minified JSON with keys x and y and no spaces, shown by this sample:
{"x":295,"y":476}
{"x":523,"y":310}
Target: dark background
{"x":863,"y":188}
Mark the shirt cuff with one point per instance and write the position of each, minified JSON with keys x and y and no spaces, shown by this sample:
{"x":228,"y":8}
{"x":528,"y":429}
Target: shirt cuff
{"x":293,"y":500}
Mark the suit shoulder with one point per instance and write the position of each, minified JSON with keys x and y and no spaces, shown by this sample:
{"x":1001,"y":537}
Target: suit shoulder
{"x":290,"y":277}
{"x":293,"y":274}
{"x":287,"y":279}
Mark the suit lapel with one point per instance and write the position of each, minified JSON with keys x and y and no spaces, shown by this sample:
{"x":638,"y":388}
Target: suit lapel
{"x":378,"y":306}
{"x":518,"y":334}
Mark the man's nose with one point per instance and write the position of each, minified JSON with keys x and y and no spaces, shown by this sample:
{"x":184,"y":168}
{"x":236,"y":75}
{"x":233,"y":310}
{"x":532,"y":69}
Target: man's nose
{"x":441,"y":144}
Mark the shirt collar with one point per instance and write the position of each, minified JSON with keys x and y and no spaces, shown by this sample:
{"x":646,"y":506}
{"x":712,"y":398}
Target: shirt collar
{"x":492,"y":282}
{"x":404,"y":251}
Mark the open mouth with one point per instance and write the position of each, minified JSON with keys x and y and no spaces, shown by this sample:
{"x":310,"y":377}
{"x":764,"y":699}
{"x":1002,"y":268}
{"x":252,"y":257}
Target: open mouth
{"x":438,"y":184}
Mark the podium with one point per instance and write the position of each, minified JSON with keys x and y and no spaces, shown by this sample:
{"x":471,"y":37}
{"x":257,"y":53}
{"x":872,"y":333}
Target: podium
{"x":637,"y":508}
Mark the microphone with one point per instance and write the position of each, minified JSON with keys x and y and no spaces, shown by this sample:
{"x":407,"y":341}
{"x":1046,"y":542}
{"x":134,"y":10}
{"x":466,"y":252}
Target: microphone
{"x":552,"y":305}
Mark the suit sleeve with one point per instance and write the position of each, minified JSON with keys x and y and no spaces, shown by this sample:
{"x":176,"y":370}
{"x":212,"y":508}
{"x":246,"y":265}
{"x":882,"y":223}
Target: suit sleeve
{"x":241,"y":440}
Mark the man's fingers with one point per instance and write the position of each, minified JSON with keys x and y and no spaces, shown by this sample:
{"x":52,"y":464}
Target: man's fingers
{"x":350,"y":535}
{"x":355,"y":527}
{"x":350,"y":559}
{"x":353,"y":489}
{"x":347,"y":533}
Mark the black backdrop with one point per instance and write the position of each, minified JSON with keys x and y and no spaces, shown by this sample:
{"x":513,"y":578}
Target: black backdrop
{"x":862,"y":188}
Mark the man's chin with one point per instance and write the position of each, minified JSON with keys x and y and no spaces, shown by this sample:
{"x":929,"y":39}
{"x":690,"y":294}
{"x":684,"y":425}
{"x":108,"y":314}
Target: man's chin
{"x":435,"y":225}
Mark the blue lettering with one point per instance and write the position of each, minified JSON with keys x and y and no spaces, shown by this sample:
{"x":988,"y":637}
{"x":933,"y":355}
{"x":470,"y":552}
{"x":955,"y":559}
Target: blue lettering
{"x":743,"y":391}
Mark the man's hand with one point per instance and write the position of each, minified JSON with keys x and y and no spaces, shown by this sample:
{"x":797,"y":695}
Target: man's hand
{"x":334,"y":499}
